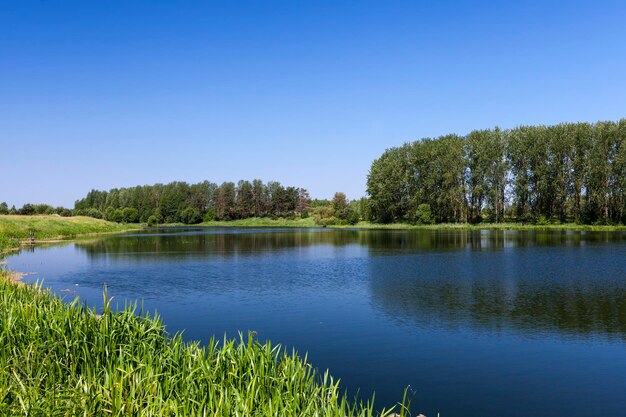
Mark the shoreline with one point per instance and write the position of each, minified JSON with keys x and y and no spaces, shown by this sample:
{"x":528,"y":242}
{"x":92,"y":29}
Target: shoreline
{"x":283,"y":223}
{"x":15,"y":243}
{"x":71,"y":348}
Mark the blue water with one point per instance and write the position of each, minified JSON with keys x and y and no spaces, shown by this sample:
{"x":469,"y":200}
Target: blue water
{"x":475,"y":323}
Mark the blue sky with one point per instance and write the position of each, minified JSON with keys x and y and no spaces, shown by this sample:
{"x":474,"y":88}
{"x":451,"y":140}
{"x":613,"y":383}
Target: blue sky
{"x":109,"y":94}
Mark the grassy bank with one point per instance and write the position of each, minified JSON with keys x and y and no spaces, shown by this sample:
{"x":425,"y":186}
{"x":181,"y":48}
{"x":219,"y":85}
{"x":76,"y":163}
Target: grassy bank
{"x":309,"y":222}
{"x":60,"y":359}
{"x":486,"y":226}
{"x":14,"y":229}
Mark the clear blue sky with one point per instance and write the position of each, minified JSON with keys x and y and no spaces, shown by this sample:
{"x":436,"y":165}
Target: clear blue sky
{"x":108,"y":94}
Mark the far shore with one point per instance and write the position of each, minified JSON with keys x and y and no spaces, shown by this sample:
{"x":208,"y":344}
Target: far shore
{"x":14,"y":230}
{"x":310,"y":223}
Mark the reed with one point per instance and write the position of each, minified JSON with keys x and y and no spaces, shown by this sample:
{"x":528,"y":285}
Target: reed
{"x":64,"y":359}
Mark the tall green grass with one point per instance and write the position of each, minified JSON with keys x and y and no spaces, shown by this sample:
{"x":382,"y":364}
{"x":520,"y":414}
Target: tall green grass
{"x":61,"y":359}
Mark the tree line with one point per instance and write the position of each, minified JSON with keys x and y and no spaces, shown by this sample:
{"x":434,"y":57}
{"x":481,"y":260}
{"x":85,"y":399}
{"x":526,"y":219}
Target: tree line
{"x":561,"y":173}
{"x":180,"y":202}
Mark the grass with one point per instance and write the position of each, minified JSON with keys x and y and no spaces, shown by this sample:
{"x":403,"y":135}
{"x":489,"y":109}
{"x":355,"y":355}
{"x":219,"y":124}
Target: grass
{"x":14,"y":229}
{"x":62,"y":359}
{"x":309,"y":222}
{"x":487,"y":226}
{"x":264,"y":222}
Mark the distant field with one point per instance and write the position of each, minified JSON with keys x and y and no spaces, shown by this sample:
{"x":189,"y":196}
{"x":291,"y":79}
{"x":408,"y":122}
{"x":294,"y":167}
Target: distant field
{"x":14,"y":229}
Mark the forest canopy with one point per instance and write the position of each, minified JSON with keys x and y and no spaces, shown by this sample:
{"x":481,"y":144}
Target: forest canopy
{"x":566,"y":172}
{"x":179,"y":202}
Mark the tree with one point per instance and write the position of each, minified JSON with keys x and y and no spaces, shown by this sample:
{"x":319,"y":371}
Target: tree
{"x":224,"y":201}
{"x":388,"y":184}
{"x":4,"y":208}
{"x":423,"y":214}
{"x":130,"y":215}
{"x":191,"y":215}
{"x":245,"y":199}
{"x":27,"y":210}
{"x":573,"y":171}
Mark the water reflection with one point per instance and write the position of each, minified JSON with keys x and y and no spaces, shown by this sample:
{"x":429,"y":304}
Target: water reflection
{"x":534,"y":282}
{"x":574,"y":289}
{"x":185,"y":243}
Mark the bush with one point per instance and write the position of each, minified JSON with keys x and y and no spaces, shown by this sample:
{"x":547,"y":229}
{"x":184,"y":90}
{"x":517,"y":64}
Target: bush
{"x":423,"y":214}
{"x":353,"y":218}
{"x":209,"y":216}
{"x":63,"y":212}
{"x":130,"y":215}
{"x":190,"y":216}
{"x":326,"y":221}
{"x":27,"y":210}
{"x":93,"y":212}
{"x":153,"y":221}
{"x":113,"y":215}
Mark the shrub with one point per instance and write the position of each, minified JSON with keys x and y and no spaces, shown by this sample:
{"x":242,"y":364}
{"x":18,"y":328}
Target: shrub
{"x":326,"y":221}
{"x":209,"y":216}
{"x":190,"y":216}
{"x":423,"y":214}
{"x":27,"y":210}
{"x":130,"y":215}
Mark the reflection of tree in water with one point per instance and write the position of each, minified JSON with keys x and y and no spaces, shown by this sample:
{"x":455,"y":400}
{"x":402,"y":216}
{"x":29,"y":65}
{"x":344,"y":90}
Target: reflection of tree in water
{"x":380,"y":242}
{"x":182,"y":246}
{"x":567,"y":282}
{"x":550,"y":296}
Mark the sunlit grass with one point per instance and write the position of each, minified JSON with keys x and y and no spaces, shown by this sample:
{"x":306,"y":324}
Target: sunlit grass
{"x":64,"y":359}
{"x":13,"y":229}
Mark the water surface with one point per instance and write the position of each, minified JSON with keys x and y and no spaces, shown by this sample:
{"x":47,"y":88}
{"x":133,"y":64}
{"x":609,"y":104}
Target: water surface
{"x":476,"y":323}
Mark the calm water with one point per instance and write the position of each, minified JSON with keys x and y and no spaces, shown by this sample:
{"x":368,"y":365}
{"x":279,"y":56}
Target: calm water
{"x":477,"y":323}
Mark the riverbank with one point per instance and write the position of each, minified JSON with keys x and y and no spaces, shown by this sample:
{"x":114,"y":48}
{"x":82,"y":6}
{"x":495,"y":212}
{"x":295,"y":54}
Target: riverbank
{"x":309,"y":222}
{"x":65,"y":359}
{"x":16,"y":229}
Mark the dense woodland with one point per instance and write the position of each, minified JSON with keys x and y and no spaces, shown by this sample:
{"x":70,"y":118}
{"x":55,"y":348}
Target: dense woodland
{"x":179,"y":202}
{"x":542,"y":174}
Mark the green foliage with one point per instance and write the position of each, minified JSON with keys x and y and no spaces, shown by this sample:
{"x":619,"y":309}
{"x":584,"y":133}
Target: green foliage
{"x":130,"y":215}
{"x":209,"y":216}
{"x":423,"y":214}
{"x":181,"y":202}
{"x":339,"y":211}
{"x":4,"y":208}
{"x":93,"y":212}
{"x":572,"y":172}
{"x":153,"y":221}
{"x":64,"y":359}
{"x":190,"y":216}
{"x":113,"y":215}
